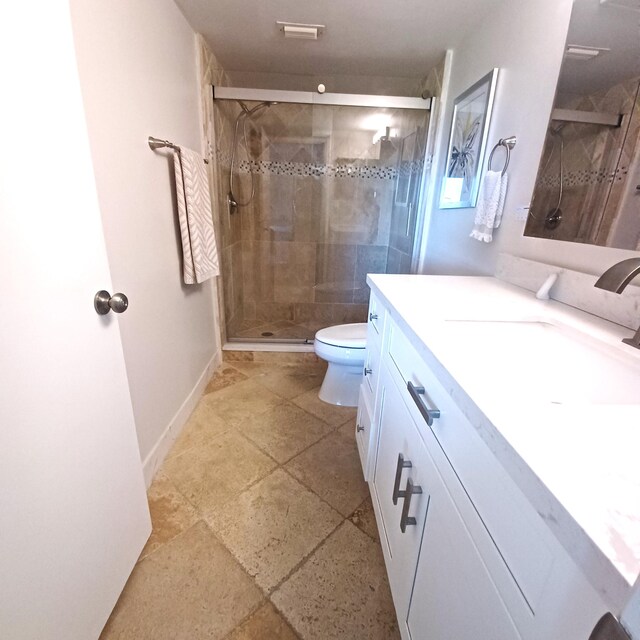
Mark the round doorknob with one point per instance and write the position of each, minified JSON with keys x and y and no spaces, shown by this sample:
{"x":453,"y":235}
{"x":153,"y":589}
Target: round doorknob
{"x":105,"y":302}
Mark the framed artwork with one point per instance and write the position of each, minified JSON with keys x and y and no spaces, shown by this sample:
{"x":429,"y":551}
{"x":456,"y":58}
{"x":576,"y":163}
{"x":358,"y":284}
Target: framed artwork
{"x":467,"y":143}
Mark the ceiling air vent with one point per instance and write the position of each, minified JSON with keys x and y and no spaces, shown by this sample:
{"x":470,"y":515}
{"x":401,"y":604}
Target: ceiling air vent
{"x":580,"y":52}
{"x":300,"y":31}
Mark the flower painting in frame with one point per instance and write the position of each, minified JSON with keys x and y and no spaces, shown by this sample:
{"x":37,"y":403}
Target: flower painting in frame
{"x":469,"y":129}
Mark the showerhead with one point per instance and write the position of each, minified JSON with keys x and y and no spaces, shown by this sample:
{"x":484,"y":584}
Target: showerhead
{"x":249,"y":112}
{"x":259,"y":107}
{"x":246,"y":113}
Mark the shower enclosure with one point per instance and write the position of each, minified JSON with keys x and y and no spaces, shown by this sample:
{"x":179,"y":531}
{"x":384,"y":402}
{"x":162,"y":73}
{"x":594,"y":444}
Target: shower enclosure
{"x":314,"y":197}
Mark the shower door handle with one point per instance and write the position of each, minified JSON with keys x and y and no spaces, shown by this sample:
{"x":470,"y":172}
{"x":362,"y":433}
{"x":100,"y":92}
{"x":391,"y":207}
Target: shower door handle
{"x":409,"y":212}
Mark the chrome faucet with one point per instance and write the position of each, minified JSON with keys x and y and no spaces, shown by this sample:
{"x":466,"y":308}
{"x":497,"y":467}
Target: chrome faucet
{"x":615,"y":279}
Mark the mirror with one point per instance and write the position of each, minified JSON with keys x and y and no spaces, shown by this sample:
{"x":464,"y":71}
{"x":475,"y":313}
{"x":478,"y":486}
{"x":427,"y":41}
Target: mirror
{"x":588,"y":183}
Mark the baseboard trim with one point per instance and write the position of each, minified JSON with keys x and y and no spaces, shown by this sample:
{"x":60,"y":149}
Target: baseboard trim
{"x":156,"y":456}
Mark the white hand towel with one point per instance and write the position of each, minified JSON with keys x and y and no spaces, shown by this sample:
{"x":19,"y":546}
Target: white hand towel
{"x":490,"y":205}
{"x":199,"y":250}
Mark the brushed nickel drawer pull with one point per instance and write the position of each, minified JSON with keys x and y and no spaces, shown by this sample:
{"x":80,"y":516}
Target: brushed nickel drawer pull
{"x":416,"y":393}
{"x":367,"y":371}
{"x":402,"y":464}
{"x":406,"y":519}
{"x":373,"y":316}
{"x":359,"y":428}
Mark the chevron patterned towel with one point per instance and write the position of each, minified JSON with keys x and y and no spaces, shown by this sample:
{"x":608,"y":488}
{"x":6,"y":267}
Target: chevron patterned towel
{"x":199,"y":250}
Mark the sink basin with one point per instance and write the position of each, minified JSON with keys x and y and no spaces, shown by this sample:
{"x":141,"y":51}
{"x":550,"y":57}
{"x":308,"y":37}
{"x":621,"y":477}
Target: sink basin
{"x":543,"y":362}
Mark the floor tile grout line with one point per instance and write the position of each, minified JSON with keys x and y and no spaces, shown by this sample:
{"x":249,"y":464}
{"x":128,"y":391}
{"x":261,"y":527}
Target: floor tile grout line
{"x":308,"y":488}
{"x":288,"y":460}
{"x":288,"y":399}
{"x":202,"y":515}
{"x":369,"y":497}
{"x":282,"y":466}
{"x":216,"y":537}
{"x":299,"y":566}
{"x":205,"y":515}
{"x":268,"y":591}
{"x":235,"y":426}
{"x":252,"y":484}
{"x":264,"y":601}
{"x":304,"y":559}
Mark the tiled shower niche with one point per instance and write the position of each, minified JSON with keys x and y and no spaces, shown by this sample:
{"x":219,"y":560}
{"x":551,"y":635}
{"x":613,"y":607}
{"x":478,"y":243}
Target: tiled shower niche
{"x":330,"y":205}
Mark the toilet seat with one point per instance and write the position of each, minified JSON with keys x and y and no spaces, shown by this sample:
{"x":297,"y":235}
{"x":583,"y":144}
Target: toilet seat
{"x":346,"y":336}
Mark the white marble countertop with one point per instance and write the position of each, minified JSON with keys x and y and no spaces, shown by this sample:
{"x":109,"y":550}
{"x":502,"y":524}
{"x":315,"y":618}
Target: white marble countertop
{"x":576,"y":460}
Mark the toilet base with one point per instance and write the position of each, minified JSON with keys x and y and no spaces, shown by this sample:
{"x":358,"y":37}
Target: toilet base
{"x":341,"y":385}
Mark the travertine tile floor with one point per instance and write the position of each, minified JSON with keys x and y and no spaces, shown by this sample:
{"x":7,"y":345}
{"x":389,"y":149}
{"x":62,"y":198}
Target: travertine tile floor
{"x":262,"y":525}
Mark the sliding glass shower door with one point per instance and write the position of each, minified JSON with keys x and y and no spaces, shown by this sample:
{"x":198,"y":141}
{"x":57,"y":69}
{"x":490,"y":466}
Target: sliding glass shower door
{"x":325,"y":194}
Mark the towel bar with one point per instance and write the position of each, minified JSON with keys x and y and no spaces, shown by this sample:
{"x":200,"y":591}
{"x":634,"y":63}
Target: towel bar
{"x":157,"y":143}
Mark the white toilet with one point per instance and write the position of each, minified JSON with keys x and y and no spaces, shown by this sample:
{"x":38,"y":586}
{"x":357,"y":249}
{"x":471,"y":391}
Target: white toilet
{"x":343,"y":347}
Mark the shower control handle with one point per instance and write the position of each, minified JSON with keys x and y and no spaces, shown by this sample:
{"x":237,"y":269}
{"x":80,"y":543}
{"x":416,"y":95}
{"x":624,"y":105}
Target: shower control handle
{"x":104,"y":302}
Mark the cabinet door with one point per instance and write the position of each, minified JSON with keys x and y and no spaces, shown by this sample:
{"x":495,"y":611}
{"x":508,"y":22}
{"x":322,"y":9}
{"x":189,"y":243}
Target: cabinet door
{"x":399,"y":436}
{"x":363,"y":432}
{"x":454,"y":597}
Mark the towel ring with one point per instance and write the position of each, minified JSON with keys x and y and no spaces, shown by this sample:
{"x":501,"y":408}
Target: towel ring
{"x":508,"y":144}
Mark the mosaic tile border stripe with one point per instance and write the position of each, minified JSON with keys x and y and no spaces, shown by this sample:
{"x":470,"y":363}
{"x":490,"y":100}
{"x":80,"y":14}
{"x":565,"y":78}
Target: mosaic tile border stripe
{"x":320,"y":170}
{"x":582,"y":178}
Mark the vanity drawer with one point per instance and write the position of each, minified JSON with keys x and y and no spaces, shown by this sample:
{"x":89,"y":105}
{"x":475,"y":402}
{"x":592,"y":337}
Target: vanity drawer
{"x":364,"y":426}
{"x":371,"y":371}
{"x":376,"y":315}
{"x":513,"y":525}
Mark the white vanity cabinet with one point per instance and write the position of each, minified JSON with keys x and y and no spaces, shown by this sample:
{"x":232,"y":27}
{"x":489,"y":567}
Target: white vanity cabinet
{"x":423,"y":522}
{"x":369,"y":401}
{"x":467,"y":555}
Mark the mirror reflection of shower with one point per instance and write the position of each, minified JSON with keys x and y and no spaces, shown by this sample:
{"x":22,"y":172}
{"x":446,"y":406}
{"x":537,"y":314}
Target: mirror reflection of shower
{"x":233,"y":201}
{"x":554,"y":217}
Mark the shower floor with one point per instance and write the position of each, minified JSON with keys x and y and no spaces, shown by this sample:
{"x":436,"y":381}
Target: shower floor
{"x":282,"y":329}
{"x":298,"y":327}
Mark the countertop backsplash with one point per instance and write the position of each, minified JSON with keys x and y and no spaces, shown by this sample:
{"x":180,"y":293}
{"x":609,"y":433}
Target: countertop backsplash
{"x":573,"y":288}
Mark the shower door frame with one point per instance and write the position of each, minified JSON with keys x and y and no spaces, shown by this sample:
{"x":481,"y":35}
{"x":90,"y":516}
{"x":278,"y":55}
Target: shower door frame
{"x":342,"y":100}
{"x":324,"y":99}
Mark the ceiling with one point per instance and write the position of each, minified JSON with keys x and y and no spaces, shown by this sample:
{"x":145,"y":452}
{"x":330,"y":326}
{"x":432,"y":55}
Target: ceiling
{"x":602,"y":25}
{"x":395,"y":38}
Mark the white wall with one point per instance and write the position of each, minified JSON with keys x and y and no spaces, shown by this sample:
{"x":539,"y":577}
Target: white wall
{"x":525,"y":39}
{"x":138,"y":76}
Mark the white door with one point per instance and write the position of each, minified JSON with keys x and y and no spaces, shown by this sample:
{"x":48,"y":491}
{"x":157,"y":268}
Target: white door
{"x":73,"y":511}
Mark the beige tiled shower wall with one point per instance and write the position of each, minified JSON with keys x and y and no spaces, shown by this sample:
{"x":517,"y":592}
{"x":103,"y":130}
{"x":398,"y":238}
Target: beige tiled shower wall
{"x":217,"y":125}
{"x":596,"y":163}
{"x":295,"y":258}
{"x":309,"y":240}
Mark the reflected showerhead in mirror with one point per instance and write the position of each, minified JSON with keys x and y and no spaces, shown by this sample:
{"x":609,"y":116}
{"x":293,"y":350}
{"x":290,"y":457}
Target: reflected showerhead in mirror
{"x":592,"y":124}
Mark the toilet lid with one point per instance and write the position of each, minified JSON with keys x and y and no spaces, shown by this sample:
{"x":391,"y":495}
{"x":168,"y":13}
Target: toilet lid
{"x":353,"y":336}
